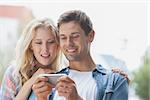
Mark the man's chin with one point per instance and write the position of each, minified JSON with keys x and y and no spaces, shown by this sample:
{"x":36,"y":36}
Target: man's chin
{"x":72,"y":58}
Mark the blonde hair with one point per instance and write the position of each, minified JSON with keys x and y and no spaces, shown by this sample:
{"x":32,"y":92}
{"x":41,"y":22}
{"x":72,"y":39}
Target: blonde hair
{"x":24,"y":55}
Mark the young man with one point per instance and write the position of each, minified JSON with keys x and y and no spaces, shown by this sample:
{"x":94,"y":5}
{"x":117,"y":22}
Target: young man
{"x":85,"y":80}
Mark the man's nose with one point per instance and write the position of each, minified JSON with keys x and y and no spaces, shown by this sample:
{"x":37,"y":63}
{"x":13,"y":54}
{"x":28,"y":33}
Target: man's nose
{"x":70,"y":41}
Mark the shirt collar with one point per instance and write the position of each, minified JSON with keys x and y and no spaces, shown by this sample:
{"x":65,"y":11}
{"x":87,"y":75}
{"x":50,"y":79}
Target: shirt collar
{"x":98,"y":68}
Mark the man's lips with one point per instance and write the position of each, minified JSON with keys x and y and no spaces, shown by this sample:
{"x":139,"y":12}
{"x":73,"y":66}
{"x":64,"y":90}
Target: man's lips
{"x":72,"y":50}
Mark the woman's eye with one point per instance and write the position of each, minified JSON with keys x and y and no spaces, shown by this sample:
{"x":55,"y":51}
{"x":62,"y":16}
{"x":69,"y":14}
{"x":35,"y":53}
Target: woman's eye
{"x":51,"y":41}
{"x":38,"y":42}
{"x":62,"y":38}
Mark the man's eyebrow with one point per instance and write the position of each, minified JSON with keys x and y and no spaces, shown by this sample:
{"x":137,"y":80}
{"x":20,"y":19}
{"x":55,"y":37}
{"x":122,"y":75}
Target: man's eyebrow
{"x":75,"y":33}
{"x":71,"y":33}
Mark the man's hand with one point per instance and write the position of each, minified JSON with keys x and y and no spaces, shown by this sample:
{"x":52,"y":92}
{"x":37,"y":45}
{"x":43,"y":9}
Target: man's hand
{"x":66,"y":87}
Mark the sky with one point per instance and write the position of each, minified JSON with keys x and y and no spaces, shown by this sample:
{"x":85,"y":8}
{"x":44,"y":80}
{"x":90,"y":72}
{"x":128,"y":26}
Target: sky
{"x":121,"y":26}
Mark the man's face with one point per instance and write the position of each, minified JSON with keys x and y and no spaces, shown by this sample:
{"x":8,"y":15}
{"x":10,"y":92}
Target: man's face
{"x":73,"y":41}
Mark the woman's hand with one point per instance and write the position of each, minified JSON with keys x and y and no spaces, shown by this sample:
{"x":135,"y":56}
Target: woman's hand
{"x":42,"y":88}
{"x":43,"y":71}
{"x":26,"y":88}
{"x":121,"y":72}
{"x":38,"y":72}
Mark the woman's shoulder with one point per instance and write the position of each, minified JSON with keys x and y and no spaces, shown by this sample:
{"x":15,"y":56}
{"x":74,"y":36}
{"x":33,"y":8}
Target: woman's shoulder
{"x":10,"y":83}
{"x":10,"y":69}
{"x":11,"y":73}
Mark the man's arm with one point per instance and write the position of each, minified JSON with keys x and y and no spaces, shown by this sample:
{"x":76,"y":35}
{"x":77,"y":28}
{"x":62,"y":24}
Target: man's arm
{"x":120,"y":89}
{"x":117,"y":87}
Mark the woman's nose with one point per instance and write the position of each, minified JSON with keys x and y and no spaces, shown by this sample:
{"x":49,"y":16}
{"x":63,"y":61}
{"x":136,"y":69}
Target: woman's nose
{"x":45,"y":47}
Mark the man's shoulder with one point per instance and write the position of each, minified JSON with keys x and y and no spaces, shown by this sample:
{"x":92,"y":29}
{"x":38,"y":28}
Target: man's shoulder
{"x":109,"y":73}
{"x":109,"y":77}
{"x":64,"y":70}
{"x":115,"y":81}
{"x":116,"y":84}
{"x":115,"y":77}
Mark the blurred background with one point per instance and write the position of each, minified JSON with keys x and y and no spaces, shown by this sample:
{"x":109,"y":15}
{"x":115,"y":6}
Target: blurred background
{"x":122,"y":30}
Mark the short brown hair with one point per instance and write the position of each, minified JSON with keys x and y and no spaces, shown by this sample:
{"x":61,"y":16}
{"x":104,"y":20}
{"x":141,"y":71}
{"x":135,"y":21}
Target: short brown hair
{"x":77,"y":16}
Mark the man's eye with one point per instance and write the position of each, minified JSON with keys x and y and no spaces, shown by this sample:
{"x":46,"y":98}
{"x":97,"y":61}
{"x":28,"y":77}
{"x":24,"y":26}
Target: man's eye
{"x":75,"y":36}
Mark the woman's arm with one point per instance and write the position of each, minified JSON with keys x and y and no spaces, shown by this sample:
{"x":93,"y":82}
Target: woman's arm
{"x":25,"y":90}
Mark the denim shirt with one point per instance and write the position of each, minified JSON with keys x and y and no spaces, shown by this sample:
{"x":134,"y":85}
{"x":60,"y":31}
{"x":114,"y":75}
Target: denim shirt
{"x":110,"y":86}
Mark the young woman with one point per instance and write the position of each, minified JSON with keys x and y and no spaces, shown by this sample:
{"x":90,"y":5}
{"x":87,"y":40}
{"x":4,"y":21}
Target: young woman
{"x":37,"y":52}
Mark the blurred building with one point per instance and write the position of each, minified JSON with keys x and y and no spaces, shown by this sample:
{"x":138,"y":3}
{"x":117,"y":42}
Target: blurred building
{"x":12,"y":21}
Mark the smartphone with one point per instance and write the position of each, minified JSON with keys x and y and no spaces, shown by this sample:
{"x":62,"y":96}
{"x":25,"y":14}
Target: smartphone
{"x":52,"y":78}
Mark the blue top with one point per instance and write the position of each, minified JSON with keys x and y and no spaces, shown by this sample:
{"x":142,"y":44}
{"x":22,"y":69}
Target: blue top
{"x":110,"y":86}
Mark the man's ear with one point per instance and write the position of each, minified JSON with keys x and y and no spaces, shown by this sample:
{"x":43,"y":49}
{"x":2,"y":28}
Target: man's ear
{"x":91,"y":35}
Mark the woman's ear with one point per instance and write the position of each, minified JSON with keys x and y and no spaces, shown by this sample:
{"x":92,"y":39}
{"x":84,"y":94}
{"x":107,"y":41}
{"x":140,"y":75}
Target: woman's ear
{"x":31,"y":48}
{"x":58,"y":48}
{"x":91,"y":35}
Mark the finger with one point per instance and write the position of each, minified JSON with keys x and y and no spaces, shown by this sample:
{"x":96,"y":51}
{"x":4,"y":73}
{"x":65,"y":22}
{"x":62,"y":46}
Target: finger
{"x":65,"y":89}
{"x":38,"y":85}
{"x":65,"y":79}
{"x":62,"y":86}
{"x":44,"y":79}
{"x":39,"y":79}
{"x":63,"y":83}
{"x":116,"y":70}
{"x":123,"y":73}
{"x":65,"y":94}
{"x":62,"y":91}
{"x":42,"y":88}
{"x":42,"y":94}
{"x":128,"y":79}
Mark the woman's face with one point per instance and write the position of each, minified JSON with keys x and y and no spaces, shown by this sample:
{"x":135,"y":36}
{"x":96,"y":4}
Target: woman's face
{"x":44,"y":46}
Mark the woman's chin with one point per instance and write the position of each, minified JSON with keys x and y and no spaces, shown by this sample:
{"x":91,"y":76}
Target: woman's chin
{"x":44,"y":66}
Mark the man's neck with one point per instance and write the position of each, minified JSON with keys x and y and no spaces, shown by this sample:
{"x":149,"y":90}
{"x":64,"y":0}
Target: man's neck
{"x":85,"y":65}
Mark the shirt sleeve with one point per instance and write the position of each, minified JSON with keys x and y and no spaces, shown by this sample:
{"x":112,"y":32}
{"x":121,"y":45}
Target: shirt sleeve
{"x":117,"y":88}
{"x":120,"y":91}
{"x":9,"y":86}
